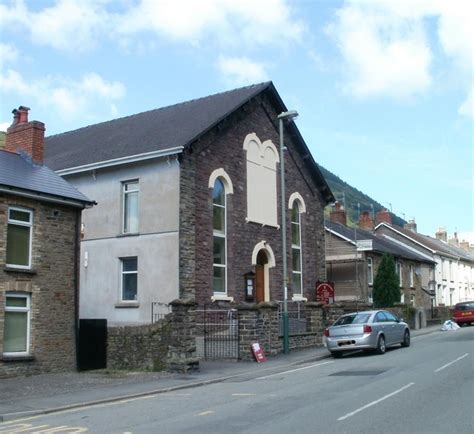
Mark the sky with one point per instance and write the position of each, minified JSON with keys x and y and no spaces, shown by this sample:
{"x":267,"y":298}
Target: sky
{"x":384,"y":89}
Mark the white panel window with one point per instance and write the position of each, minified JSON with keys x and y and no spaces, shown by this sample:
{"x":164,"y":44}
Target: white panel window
{"x":16,"y":333}
{"x":219,"y":226}
{"x":262,"y":159}
{"x":130,"y":190}
{"x":398,"y":266}
{"x":370,"y":271}
{"x":20,"y":222}
{"x":129,"y":281}
{"x":296,"y":251}
{"x":411,"y":277}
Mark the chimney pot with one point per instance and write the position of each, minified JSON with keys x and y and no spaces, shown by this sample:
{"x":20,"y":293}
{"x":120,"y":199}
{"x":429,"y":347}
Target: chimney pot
{"x":338,"y":214}
{"x":365,"y":221}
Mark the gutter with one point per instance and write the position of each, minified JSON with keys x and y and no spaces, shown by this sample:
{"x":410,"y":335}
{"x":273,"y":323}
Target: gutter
{"x":121,"y":160}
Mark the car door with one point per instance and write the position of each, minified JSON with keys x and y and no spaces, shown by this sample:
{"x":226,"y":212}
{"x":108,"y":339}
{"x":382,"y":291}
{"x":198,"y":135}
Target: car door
{"x":395,"y":328}
{"x":380,"y":323}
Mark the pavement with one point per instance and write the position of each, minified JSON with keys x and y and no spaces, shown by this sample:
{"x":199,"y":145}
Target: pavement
{"x":48,"y":393}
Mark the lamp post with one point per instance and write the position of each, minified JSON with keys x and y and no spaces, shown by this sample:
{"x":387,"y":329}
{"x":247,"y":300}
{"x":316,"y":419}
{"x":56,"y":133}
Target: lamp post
{"x":288,"y":116}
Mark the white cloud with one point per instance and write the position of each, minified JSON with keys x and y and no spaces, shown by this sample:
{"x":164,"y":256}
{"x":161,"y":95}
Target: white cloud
{"x":386,"y":48}
{"x":78,"y":25}
{"x":240,"y":71}
{"x":467,"y":107}
{"x":8,"y":54}
{"x":68,"y":98}
{"x":4,"y":126}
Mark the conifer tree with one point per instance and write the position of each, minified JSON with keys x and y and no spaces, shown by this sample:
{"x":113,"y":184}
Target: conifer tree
{"x":386,"y":284}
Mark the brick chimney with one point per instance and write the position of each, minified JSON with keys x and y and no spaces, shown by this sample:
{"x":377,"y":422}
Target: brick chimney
{"x":464,"y":245}
{"x":338,"y":214}
{"x":383,"y":216}
{"x":411,"y":225}
{"x":365,"y":221}
{"x":442,"y":235}
{"x":25,"y":136}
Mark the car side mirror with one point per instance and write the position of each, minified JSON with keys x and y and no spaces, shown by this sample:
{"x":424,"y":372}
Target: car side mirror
{"x":400,"y":320}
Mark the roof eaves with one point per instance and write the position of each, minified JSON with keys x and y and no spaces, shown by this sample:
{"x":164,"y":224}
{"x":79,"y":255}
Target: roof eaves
{"x":406,"y":236}
{"x":337,"y":234}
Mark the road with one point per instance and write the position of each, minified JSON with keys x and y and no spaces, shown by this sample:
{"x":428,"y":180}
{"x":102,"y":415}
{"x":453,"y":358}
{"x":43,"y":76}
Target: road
{"x":427,"y":388}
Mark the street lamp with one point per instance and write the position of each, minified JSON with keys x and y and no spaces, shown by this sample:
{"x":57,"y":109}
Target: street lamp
{"x":288,"y":116}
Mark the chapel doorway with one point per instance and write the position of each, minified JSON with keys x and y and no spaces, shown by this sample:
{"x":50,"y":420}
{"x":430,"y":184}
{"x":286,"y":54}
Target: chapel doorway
{"x":262,"y":260}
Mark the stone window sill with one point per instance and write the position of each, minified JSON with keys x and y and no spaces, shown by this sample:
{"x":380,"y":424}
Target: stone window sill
{"x":127,"y":305}
{"x":19,"y":270}
{"x":299,"y":298}
{"x":131,"y":234}
{"x":222,"y":298}
{"x":12,"y":358}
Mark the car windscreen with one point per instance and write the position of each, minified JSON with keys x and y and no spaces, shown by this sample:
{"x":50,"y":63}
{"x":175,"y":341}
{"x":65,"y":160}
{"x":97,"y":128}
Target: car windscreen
{"x":465,"y":306}
{"x":356,"y":318}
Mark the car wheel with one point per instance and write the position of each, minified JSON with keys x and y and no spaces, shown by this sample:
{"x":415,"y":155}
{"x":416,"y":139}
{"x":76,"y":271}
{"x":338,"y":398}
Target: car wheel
{"x":406,"y":339}
{"x":381,"y":345}
{"x":336,"y":354}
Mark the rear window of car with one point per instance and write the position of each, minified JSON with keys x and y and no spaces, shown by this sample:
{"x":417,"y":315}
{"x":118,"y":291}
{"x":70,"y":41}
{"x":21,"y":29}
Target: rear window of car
{"x":465,"y":306}
{"x":357,"y":318}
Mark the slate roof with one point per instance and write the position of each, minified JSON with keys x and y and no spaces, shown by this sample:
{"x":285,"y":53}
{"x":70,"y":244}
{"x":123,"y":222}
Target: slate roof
{"x":379,"y":244}
{"x":434,"y":244}
{"x":162,"y":129}
{"x":18,"y":174}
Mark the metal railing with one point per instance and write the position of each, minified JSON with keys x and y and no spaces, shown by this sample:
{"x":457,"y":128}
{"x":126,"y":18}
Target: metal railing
{"x":296,"y":317}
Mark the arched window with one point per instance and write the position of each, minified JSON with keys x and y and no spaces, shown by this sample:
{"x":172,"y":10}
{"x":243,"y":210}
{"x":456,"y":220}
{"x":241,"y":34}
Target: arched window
{"x":296,"y":252}
{"x":219,"y":202}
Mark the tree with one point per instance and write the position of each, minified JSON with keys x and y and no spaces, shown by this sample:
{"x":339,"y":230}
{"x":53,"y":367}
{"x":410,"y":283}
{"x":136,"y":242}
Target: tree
{"x":386,"y":284}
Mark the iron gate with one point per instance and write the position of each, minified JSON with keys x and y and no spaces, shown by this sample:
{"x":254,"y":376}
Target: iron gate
{"x":92,"y":351}
{"x":217,"y":334}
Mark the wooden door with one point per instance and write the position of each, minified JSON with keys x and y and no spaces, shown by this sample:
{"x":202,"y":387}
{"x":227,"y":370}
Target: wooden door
{"x":259,"y":283}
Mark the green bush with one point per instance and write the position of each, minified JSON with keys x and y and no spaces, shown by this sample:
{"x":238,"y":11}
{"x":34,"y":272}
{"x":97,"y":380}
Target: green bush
{"x":386,"y":284}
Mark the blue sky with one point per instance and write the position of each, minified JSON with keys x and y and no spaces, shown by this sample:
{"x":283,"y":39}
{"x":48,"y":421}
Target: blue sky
{"x":384,"y":88}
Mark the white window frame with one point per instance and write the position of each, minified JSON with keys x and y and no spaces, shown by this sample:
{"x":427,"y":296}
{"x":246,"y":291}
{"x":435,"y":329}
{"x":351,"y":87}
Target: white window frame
{"x":122,"y":272}
{"x":25,"y":224}
{"x":297,"y":247}
{"x":26,"y":309}
{"x":125,"y":192}
{"x":370,"y":271}
{"x":220,"y":234}
{"x":399,"y":272}
{"x":411,"y":277}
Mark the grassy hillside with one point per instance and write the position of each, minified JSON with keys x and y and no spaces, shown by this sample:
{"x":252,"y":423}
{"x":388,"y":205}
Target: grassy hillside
{"x":2,"y":139}
{"x":352,"y":198}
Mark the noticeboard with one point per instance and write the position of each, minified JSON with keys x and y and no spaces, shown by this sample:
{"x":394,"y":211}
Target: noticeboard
{"x":258,"y":353}
{"x":325,"y":292}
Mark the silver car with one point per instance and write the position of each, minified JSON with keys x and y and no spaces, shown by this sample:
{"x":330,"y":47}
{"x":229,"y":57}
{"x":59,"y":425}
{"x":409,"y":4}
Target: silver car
{"x":368,"y":330}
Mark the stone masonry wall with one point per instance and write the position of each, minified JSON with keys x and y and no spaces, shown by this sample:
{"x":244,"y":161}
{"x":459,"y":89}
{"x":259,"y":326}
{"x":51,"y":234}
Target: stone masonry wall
{"x":50,"y":283}
{"x":223,"y":148}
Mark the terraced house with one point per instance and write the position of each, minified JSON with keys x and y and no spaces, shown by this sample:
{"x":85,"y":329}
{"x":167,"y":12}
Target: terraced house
{"x":189,"y":206}
{"x":39,"y":255}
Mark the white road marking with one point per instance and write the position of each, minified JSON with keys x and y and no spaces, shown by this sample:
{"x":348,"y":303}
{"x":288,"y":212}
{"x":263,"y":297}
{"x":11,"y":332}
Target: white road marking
{"x":244,"y":394}
{"x":292,"y":370}
{"x":205,"y":413}
{"x":352,"y":413}
{"x":450,"y":363}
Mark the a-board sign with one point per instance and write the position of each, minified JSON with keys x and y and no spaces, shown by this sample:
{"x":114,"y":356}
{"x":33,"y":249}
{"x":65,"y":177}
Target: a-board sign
{"x":325,"y":292}
{"x":258,"y":353}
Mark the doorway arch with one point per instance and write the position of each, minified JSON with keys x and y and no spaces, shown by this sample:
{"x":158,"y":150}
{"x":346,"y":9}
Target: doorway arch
{"x":263,"y":259}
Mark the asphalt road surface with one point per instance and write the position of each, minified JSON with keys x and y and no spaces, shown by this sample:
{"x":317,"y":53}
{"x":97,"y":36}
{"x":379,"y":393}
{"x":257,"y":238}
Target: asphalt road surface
{"x":427,"y":388}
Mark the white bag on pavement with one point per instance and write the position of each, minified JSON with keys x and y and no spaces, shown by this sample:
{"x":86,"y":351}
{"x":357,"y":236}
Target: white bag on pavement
{"x":449,"y":325}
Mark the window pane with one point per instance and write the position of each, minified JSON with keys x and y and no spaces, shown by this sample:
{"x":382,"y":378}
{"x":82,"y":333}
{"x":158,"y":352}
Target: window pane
{"x":16,"y":301}
{"x":218,"y":281}
{"x":131,"y":212}
{"x":295,"y":213}
{"x":18,"y":245}
{"x":219,"y":250}
{"x":218,"y":194}
{"x":15,"y":333}
{"x":296,"y":255}
{"x":295,"y":234}
{"x":296,"y":283}
{"x":129,"y":287}
{"x":129,"y":264}
{"x":22,"y":216}
{"x":131,"y":186}
{"x":219,"y":219}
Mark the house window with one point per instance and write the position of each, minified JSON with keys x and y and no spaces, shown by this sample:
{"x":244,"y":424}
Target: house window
{"x":20,"y":222}
{"x":16,"y":334}
{"x":297,"y":276}
{"x":129,"y":279}
{"x":219,"y":226}
{"x":399,"y":272}
{"x":262,"y":159}
{"x":411,"y":277}
{"x":451,"y":271}
{"x":130,"y":206}
{"x":370,"y":271}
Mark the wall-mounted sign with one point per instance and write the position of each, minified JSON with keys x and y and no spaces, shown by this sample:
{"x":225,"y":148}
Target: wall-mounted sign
{"x":258,"y":353}
{"x":364,"y":245}
{"x":325,"y":292}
